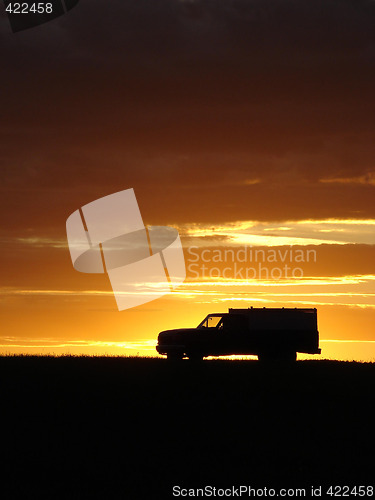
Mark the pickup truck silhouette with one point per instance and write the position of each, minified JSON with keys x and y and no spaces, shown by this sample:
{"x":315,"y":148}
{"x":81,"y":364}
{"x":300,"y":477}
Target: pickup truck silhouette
{"x":270,"y":334}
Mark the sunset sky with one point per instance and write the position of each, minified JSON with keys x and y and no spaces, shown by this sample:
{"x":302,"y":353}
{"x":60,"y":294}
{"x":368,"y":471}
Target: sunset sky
{"x":245,"y":124}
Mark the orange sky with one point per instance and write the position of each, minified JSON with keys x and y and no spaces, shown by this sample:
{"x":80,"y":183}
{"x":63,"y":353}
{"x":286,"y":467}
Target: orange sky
{"x":243,"y":124}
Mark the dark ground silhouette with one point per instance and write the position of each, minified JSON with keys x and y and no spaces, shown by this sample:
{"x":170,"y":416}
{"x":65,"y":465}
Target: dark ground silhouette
{"x":78,"y":427}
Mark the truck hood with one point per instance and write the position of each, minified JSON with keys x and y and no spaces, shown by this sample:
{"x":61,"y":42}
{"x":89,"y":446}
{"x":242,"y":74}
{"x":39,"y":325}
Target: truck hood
{"x":166,"y":335}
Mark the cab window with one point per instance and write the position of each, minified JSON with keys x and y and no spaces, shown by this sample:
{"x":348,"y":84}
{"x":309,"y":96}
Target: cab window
{"x":211,"y":322}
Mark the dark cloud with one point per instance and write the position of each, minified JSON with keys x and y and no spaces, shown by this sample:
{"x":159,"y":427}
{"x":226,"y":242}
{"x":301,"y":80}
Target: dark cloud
{"x":185,"y":101}
{"x":137,"y":30}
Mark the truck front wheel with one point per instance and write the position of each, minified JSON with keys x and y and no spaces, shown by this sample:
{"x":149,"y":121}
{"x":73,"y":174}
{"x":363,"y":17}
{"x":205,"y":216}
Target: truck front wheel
{"x":174,"y":356}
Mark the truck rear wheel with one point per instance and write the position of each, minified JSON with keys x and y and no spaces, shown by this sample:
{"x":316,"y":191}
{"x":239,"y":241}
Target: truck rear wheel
{"x":281,"y":356}
{"x":195,"y":357}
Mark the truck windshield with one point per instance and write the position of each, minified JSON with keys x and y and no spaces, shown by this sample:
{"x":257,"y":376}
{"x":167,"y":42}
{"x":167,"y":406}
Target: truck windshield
{"x":211,"y":321}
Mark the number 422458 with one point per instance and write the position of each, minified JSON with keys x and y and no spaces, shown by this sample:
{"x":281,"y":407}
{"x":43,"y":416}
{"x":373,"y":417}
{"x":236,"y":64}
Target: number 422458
{"x":25,"y":8}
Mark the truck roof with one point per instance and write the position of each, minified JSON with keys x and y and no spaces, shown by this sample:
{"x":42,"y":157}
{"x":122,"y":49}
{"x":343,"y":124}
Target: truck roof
{"x":249,"y":309}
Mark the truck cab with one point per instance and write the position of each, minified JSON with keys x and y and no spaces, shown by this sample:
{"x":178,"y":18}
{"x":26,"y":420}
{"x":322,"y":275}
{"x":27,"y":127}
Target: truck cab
{"x":270,"y":334}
